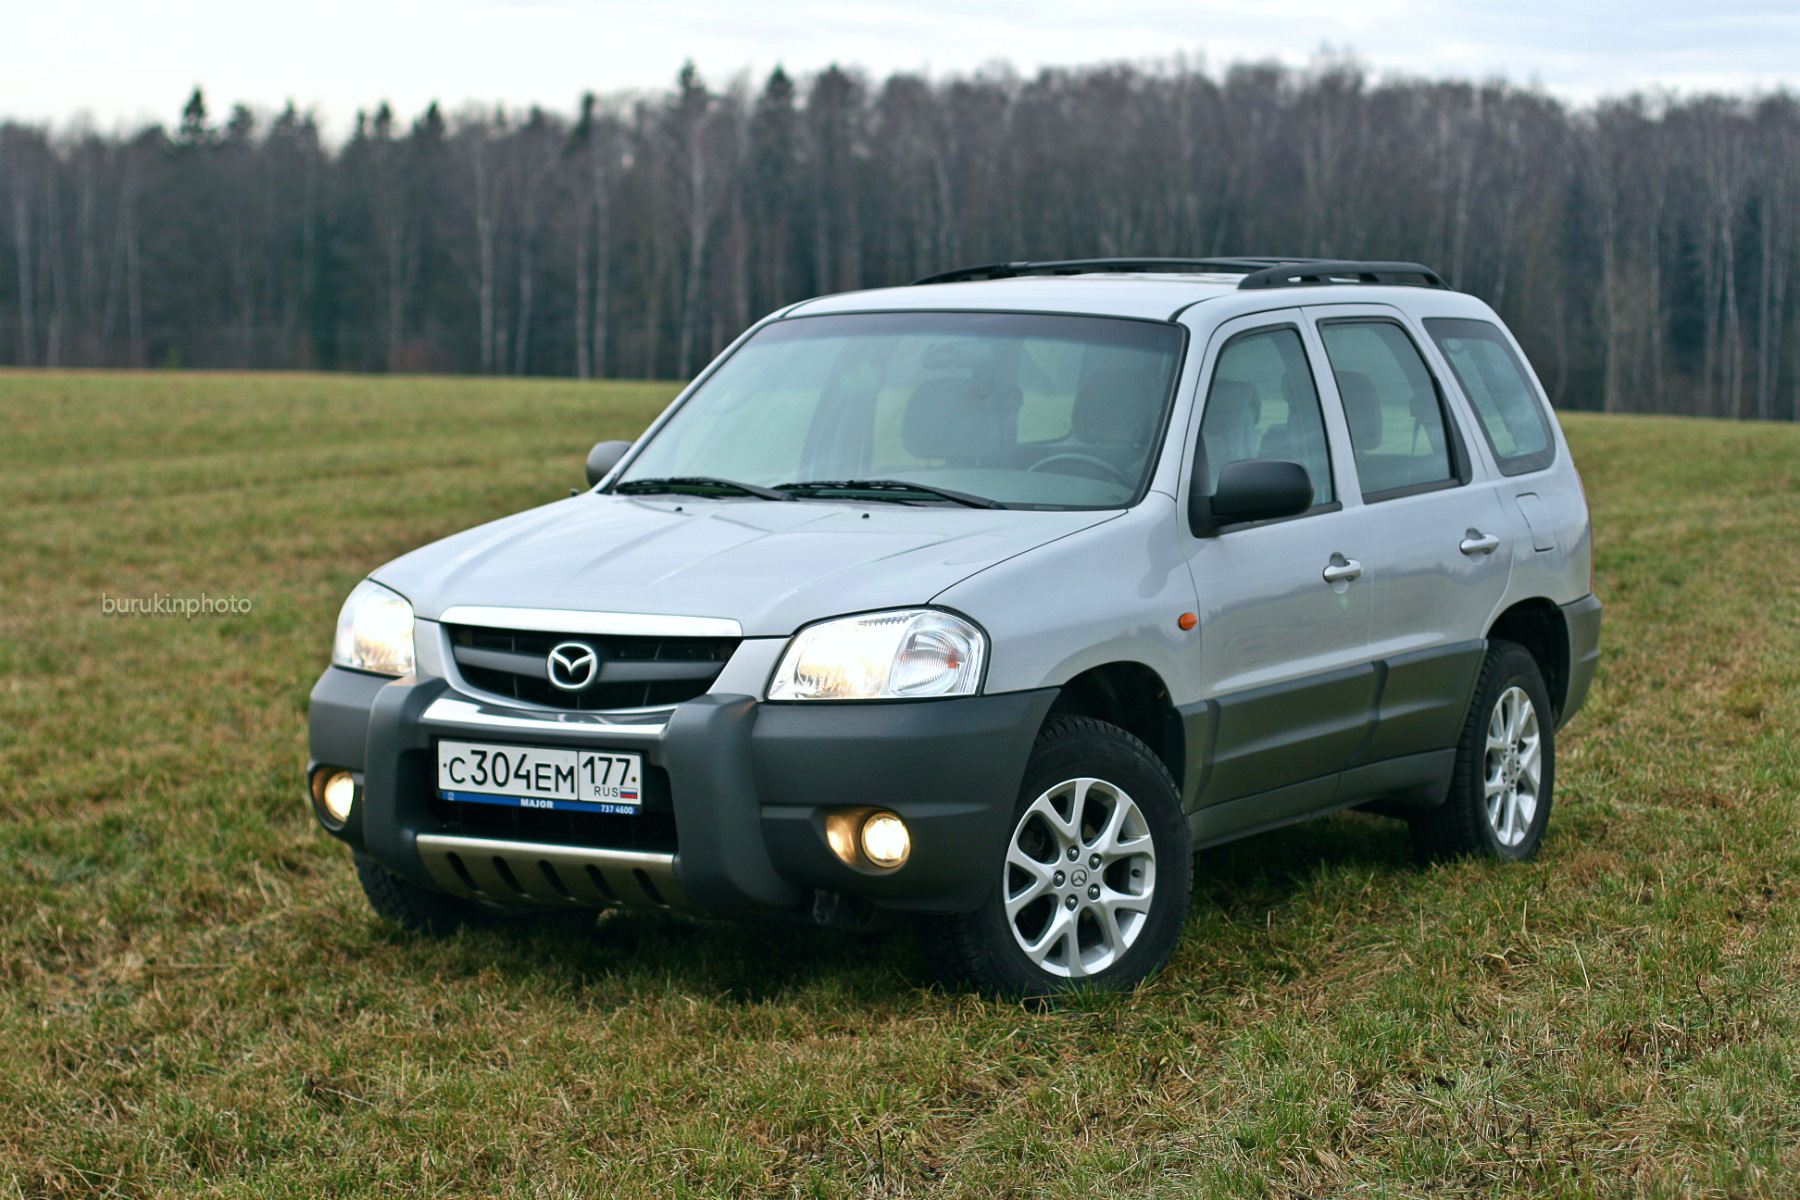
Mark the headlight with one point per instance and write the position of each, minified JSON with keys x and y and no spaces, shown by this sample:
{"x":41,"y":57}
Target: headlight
{"x":882,"y":656}
{"x":375,"y":631}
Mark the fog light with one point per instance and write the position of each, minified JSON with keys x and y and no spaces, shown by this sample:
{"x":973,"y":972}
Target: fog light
{"x":840,"y":835}
{"x":885,"y":840}
{"x":335,"y":792}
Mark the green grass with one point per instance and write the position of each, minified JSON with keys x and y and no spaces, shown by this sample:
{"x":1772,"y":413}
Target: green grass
{"x":194,"y":999}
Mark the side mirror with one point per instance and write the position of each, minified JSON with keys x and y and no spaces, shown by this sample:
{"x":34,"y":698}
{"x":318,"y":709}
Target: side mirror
{"x":603,"y":458}
{"x":1258,"y":489}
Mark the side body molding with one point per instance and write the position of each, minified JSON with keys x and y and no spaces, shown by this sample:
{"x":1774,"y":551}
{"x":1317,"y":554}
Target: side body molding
{"x":1385,"y":731}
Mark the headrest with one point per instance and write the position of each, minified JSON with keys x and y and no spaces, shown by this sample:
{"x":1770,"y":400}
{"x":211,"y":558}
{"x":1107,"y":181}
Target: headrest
{"x":1362,"y":409}
{"x":963,"y":420}
{"x":1297,"y":391}
{"x":1115,"y":408}
{"x":967,"y":355}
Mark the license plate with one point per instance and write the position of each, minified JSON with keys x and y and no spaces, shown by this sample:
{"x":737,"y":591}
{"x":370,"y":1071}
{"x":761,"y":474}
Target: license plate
{"x":598,"y":781}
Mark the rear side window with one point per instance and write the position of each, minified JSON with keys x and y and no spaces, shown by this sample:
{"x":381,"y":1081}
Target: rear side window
{"x":1492,"y":377}
{"x":1396,"y":424}
{"x":1262,"y":404}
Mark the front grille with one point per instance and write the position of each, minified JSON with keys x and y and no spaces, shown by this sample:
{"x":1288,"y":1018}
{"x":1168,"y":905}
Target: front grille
{"x":634,"y":672}
{"x":651,"y":829}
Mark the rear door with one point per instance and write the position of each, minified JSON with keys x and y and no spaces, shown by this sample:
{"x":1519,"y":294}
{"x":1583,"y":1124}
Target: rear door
{"x":1440,"y":542}
{"x":1285,"y":605}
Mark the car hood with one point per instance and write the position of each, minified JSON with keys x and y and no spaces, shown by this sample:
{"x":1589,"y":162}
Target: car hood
{"x":771,"y":566}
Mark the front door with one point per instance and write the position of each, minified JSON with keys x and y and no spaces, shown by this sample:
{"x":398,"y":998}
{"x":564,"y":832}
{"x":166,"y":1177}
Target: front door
{"x":1285,"y":605}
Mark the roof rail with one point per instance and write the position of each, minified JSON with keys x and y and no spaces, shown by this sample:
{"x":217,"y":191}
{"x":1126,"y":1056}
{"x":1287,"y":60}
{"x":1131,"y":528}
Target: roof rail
{"x":1257,"y":272}
{"x":1307,"y":272}
{"x":1083,"y":266}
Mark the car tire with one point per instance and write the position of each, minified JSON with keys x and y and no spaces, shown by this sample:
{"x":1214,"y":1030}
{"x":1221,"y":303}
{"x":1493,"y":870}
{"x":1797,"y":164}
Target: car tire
{"x":1105,"y":919}
{"x":407,"y":904}
{"x":1504,"y":781}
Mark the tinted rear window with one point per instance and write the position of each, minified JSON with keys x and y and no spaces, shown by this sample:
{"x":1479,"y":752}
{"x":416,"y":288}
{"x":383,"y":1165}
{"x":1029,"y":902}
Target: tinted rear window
{"x":1494,"y":380}
{"x":1396,"y":424}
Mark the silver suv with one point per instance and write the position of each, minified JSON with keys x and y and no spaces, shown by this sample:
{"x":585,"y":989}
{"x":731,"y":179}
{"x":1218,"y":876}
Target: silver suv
{"x":989,"y":600}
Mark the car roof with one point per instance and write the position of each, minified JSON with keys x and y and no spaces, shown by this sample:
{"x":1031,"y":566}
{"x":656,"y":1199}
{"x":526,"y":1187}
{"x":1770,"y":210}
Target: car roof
{"x":1140,"y":295}
{"x":1153,"y":297}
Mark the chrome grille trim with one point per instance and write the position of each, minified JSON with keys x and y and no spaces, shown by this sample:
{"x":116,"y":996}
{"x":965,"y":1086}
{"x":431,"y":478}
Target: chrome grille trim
{"x":559,"y":620}
{"x":529,"y":873}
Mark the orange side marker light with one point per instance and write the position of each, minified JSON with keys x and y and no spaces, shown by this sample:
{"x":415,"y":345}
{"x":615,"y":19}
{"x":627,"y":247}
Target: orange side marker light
{"x":1188,"y":621}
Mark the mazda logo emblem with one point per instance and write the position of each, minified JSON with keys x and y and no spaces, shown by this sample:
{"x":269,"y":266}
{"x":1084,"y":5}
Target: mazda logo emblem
{"x":573,"y":665}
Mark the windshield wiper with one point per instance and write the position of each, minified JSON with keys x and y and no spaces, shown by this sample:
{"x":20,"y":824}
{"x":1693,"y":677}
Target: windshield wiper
{"x":702,"y":485}
{"x":898,"y":486}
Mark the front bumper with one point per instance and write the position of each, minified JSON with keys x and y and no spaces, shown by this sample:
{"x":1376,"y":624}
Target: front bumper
{"x":749,"y":786}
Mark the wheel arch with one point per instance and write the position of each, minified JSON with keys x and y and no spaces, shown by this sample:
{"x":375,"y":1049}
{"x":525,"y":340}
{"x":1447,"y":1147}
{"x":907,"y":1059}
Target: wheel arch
{"x":1133,"y":697}
{"x":1539,"y":626}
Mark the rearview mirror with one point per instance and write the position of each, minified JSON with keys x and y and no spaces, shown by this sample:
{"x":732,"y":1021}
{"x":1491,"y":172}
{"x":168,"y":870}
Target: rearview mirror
{"x":603,"y":458}
{"x":1258,"y":489}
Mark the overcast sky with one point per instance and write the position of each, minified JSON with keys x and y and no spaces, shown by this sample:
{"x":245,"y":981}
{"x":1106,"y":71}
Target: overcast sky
{"x":126,"y":62}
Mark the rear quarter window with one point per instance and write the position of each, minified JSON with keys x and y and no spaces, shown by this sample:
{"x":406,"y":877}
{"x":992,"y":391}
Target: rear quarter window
{"x":1492,"y":377}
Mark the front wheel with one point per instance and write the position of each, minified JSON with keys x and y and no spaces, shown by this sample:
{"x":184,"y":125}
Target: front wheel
{"x":1093,"y":885}
{"x":1501,"y":789}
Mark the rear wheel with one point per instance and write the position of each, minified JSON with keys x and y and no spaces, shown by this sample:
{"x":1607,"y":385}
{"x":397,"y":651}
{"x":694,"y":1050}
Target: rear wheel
{"x":1094,"y":882}
{"x":1503,"y":784}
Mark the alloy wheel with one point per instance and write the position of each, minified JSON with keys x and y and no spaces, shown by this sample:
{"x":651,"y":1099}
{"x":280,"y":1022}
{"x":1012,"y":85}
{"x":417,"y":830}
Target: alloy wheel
{"x":1079,"y":877}
{"x":1514,"y":766}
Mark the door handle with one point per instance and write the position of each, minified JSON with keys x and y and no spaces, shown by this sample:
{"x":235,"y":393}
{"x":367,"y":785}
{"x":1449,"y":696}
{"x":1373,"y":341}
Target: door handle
{"x":1341,"y":570}
{"x":1477,"y":542}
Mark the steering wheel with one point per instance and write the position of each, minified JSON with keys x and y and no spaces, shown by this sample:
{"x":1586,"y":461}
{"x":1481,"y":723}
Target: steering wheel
{"x":1119,"y":477}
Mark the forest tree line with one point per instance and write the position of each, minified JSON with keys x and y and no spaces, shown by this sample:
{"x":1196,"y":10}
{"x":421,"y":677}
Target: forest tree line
{"x":1642,"y":247}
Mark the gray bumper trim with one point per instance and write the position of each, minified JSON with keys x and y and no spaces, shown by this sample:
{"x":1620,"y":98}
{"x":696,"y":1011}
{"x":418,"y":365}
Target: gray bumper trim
{"x":1582,"y":620}
{"x":527,"y":872}
{"x":447,"y":710}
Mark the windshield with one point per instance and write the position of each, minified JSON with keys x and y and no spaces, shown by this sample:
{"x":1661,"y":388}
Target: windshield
{"x":1027,"y":410}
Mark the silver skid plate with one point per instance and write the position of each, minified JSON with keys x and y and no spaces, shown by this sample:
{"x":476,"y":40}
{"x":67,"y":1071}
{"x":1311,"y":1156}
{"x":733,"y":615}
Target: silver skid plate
{"x":527,"y":872}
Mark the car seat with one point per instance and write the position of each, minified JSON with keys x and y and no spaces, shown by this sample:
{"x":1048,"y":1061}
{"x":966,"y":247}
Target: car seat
{"x":1233,"y":409}
{"x":961,"y":421}
{"x":1115,"y":415}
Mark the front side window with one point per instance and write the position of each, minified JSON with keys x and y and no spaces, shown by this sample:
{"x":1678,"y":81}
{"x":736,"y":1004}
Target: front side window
{"x":1028,"y":410}
{"x":1396,"y":424}
{"x":1262,"y":404}
{"x":1492,"y":377}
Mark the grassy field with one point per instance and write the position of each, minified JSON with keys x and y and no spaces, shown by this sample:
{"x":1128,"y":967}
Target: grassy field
{"x":194,"y":999}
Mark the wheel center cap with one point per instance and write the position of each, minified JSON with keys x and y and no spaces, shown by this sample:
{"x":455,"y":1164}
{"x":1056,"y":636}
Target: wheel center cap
{"x":1078,"y":878}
